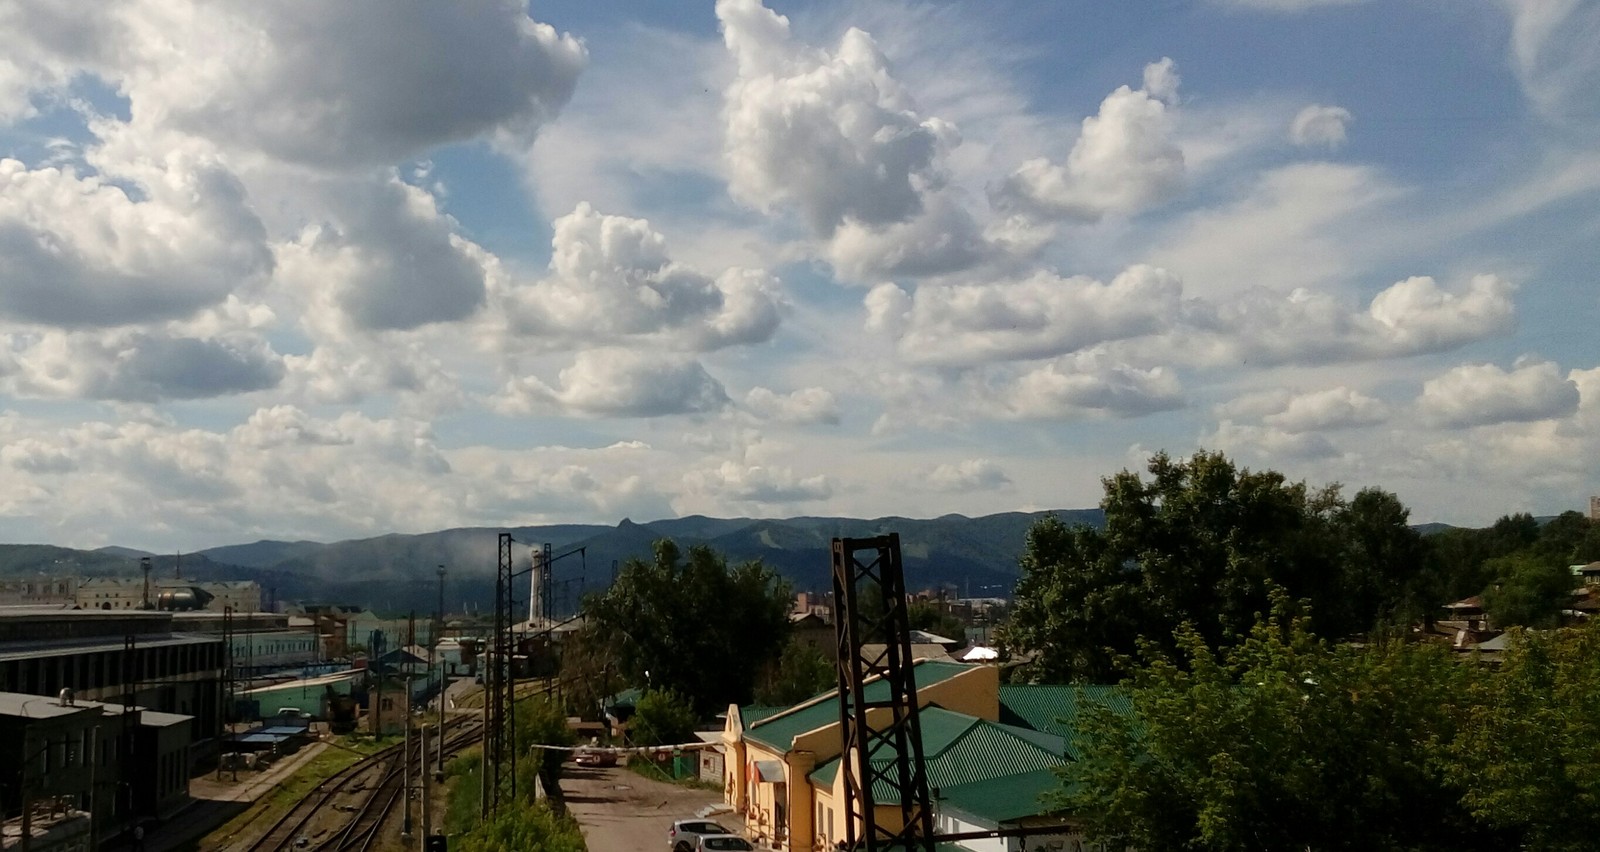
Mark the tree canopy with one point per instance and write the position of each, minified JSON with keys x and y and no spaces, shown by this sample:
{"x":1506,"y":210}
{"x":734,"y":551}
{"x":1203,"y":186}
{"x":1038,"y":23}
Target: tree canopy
{"x":691,"y":623}
{"x":1282,"y":741}
{"x":1200,"y":543}
{"x":1531,"y":744}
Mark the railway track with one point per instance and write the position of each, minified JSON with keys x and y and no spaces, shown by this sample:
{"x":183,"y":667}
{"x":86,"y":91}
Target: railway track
{"x":381,"y":775}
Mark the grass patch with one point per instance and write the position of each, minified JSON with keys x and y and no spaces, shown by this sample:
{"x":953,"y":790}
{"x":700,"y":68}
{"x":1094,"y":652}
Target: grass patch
{"x":523,"y":690}
{"x":463,"y":791}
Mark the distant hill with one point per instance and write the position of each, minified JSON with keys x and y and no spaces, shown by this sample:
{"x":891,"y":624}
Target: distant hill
{"x":396,"y":572}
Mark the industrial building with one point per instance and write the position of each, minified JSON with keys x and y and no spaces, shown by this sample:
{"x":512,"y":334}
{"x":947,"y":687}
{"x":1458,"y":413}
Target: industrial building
{"x":133,"y":593}
{"x":124,"y":764}
{"x":131,"y":656}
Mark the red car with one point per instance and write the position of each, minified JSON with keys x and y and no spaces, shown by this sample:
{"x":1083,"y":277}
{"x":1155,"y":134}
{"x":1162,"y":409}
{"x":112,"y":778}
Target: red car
{"x":594,"y":757}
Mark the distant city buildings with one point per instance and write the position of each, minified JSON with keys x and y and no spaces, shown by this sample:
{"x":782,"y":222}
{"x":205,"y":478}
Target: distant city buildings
{"x":129,"y":593}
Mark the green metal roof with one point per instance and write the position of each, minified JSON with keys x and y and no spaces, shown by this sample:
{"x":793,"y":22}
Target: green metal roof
{"x":1056,"y":709}
{"x":959,"y":749}
{"x":997,"y":800}
{"x":779,"y":730}
{"x":753,"y":713}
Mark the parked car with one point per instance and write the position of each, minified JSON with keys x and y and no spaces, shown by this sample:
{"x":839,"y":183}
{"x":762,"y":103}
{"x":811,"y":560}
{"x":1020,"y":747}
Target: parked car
{"x":721,"y":842}
{"x":594,"y":757}
{"x":684,"y":836}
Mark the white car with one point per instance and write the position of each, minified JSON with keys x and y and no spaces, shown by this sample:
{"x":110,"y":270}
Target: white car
{"x":720,"y":842}
{"x":685,"y":834}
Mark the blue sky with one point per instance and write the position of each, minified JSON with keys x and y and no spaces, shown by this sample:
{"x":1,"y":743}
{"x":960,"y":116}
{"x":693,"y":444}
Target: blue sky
{"x":309,"y":270}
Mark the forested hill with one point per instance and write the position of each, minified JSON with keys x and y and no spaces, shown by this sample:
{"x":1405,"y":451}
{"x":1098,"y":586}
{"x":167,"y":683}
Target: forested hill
{"x":395,"y":572}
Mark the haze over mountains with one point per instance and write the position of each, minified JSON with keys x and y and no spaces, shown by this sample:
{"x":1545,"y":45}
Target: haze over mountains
{"x":398,"y":572}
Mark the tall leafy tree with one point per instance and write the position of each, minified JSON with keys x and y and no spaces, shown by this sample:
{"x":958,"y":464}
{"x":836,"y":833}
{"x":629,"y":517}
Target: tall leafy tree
{"x":1530,"y":752}
{"x":801,"y":672}
{"x":692,"y":623}
{"x":1281,"y":742}
{"x":1528,"y":591}
{"x":662,"y":717}
{"x":1199,"y":542}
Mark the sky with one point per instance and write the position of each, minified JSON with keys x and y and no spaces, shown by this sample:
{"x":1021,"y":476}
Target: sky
{"x":311,"y":270}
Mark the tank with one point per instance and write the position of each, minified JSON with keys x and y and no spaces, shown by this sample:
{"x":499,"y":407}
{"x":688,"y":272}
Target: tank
{"x":186,"y":599}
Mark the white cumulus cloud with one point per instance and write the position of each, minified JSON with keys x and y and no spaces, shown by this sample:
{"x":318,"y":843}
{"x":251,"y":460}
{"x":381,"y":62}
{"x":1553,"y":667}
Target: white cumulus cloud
{"x":620,"y":383}
{"x":1320,"y":126}
{"x":1124,"y":161}
{"x":81,"y":251}
{"x":831,"y":133}
{"x":1334,"y":408}
{"x":1038,"y":317}
{"x":967,"y":475}
{"x":807,"y":405}
{"x":760,"y":484}
{"x":1481,"y":394}
{"x":611,"y":280}
{"x":1090,"y":385}
{"x":386,"y":259}
{"x":332,"y":85}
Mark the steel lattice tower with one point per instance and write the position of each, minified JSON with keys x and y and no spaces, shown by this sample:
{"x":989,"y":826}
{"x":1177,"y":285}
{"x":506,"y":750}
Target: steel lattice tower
{"x":500,"y":703}
{"x":882,"y":736}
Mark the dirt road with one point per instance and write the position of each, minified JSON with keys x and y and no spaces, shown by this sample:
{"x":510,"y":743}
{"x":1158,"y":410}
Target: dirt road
{"x":621,"y":811}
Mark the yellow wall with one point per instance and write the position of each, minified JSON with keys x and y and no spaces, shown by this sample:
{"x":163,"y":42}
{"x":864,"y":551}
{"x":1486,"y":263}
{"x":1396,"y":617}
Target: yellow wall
{"x":975,"y":692}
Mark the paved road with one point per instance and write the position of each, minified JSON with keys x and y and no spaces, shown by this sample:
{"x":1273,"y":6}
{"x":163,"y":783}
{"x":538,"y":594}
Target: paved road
{"x":621,"y":811}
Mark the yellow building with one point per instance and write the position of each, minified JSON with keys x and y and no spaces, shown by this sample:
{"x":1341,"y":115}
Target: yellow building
{"x":990,"y":751}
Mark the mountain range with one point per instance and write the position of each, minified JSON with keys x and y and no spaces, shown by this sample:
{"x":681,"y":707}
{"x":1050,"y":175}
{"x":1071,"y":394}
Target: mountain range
{"x":393,"y":573}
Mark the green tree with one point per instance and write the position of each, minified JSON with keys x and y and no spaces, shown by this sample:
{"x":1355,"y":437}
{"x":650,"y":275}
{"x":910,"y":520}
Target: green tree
{"x":662,"y":717}
{"x":931,"y":617}
{"x":693,"y":624}
{"x":1528,"y":591}
{"x":540,"y":721}
{"x":1530,"y":751}
{"x":1200,"y":543}
{"x":801,"y":672}
{"x":1385,"y":564}
{"x":1281,"y":742}
{"x":1560,"y":538}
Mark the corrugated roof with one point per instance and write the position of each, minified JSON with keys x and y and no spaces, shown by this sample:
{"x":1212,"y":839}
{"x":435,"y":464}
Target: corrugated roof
{"x":1056,"y":709}
{"x":779,"y":730}
{"x":998,"y":800}
{"x":754,"y":713}
{"x":960,"y":749}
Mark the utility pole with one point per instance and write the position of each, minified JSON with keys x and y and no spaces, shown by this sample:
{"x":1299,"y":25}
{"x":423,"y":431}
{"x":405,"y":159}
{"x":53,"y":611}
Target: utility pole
{"x":422,"y":778}
{"x":444,"y":683}
{"x":405,"y":705}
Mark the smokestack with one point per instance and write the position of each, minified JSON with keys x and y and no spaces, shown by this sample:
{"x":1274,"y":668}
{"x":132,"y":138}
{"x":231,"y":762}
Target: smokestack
{"x":536,"y":599}
{"x":145,"y":566}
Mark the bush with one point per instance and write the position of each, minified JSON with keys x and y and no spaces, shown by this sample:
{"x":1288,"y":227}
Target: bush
{"x":523,"y":827}
{"x":662,"y":717}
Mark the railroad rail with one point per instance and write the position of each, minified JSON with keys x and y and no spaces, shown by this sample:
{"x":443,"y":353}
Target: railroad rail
{"x":383,"y":774}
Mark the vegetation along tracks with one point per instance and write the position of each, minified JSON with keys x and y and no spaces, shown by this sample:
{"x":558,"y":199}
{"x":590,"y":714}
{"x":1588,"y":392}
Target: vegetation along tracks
{"x":384,"y":775}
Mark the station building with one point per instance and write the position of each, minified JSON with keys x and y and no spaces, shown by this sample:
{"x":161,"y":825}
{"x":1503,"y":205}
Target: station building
{"x":991,"y":750}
